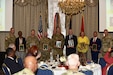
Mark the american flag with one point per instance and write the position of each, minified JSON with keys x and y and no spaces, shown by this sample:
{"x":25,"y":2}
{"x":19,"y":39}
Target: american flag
{"x":40,"y":28}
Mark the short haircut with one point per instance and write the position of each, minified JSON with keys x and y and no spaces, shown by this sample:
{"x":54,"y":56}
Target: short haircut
{"x":73,"y":59}
{"x":9,"y":51}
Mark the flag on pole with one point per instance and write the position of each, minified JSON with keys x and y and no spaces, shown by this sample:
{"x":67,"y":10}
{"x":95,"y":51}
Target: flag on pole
{"x":40,"y":28}
{"x":82,"y":24}
{"x":55,"y":22}
{"x":70,"y":24}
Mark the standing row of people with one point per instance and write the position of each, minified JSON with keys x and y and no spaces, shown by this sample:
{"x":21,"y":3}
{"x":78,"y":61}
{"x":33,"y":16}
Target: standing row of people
{"x":55,"y":45}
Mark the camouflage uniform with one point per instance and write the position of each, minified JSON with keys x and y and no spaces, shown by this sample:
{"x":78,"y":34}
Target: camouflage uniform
{"x":69,"y":72}
{"x":9,"y":39}
{"x":45,"y":48}
{"x":25,"y":71}
{"x":106,"y":43}
{"x":32,"y":41}
{"x":57,"y":50}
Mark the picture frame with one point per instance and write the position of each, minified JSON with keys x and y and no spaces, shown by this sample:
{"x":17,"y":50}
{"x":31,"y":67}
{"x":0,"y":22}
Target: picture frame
{"x":21,"y":47}
{"x":45,"y":46}
{"x":82,"y":45}
{"x":58,"y":44}
{"x":94,"y":47}
{"x":71,"y":43}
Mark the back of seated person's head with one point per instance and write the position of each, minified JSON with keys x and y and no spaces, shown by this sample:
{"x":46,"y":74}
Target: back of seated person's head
{"x":10,"y":52}
{"x":12,"y":45}
{"x":73,"y":61}
{"x":30,"y":62}
{"x":33,"y":50}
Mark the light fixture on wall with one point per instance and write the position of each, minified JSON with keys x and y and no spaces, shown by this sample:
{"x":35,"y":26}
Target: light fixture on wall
{"x":71,"y":7}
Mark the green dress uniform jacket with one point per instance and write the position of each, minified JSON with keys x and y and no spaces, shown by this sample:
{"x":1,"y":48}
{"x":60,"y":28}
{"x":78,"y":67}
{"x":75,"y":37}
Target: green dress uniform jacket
{"x":69,"y":72}
{"x":24,"y":72}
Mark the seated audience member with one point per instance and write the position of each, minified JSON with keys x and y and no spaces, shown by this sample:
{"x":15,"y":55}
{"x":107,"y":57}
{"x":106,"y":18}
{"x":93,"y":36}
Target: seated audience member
{"x":30,"y":66}
{"x":10,"y":62}
{"x":33,"y":51}
{"x":109,"y":60}
{"x":73,"y":64}
{"x":12,"y":45}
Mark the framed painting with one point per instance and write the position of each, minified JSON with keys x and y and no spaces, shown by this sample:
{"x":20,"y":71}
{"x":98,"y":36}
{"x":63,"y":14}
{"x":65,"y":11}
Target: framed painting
{"x":94,"y":47}
{"x":45,"y":46}
{"x":21,"y":47}
{"x":58,"y":44}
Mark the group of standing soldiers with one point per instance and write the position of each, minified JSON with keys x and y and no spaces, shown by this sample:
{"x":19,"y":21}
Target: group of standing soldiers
{"x":56,"y":44}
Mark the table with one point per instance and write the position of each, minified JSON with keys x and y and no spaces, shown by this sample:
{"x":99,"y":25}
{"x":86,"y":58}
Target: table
{"x":95,"y":68}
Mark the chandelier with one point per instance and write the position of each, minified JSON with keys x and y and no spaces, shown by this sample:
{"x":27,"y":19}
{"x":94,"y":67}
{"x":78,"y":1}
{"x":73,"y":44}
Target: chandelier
{"x":71,"y":7}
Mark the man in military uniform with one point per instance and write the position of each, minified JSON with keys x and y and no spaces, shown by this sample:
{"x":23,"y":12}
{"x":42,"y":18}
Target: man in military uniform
{"x":106,"y":42}
{"x":10,"y":38}
{"x":30,"y":64}
{"x":45,"y":47}
{"x":57,"y":43}
{"x":32,"y":40}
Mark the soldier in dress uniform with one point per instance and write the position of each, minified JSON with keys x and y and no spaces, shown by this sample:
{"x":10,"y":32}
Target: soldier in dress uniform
{"x":10,"y":38}
{"x":106,"y":42}
{"x":58,"y":43}
{"x":45,"y":47}
{"x":32,"y":40}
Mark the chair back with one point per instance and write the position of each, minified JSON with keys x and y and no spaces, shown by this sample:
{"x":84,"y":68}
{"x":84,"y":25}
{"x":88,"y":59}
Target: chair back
{"x":87,"y":72}
{"x":109,"y":70}
{"x":19,"y":60}
{"x":43,"y":70}
{"x":102,"y":62}
{"x":5,"y":69}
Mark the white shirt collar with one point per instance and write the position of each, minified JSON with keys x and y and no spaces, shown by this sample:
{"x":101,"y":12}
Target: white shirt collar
{"x":11,"y":57}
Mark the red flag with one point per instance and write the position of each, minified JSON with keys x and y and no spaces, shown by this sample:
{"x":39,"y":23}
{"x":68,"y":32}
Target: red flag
{"x":82,"y":24}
